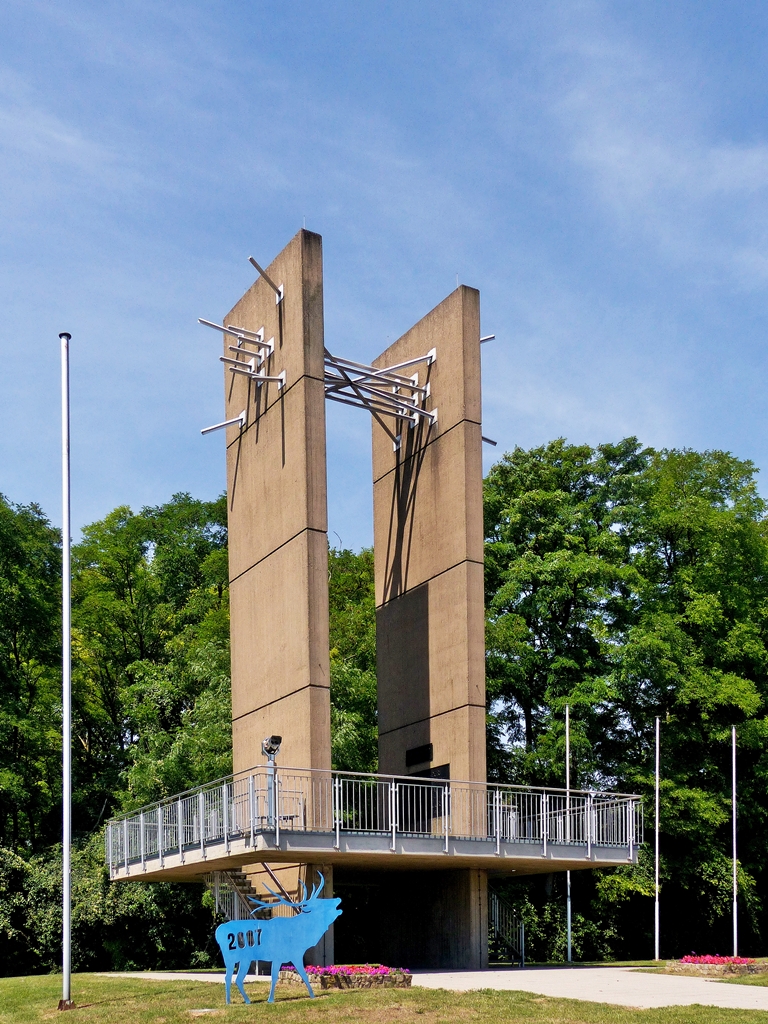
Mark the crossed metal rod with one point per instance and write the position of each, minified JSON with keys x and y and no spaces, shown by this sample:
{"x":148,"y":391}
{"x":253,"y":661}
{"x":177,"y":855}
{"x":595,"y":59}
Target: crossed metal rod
{"x":378,"y":389}
{"x":382,"y":390}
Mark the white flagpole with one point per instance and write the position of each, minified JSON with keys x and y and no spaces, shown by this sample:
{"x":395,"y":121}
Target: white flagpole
{"x":733,"y":817}
{"x":66,"y":703}
{"x":656,"y":855}
{"x":568,"y":817}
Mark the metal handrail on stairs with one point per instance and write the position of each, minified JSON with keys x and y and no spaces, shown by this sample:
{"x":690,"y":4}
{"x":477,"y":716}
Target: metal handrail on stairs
{"x":230,"y":901}
{"x":506,"y":926}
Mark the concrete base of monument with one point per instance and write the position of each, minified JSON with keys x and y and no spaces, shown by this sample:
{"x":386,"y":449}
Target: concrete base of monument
{"x":375,"y":852}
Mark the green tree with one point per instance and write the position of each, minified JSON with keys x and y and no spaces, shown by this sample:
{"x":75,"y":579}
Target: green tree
{"x":30,"y":687}
{"x":151,"y":654}
{"x":696,"y":656}
{"x":354,"y":732}
{"x":114,"y":926}
{"x":631,"y":584}
{"x":559,"y":592}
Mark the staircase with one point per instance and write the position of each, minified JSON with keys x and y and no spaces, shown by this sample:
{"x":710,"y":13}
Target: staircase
{"x":506,"y":927}
{"x":231,"y":890}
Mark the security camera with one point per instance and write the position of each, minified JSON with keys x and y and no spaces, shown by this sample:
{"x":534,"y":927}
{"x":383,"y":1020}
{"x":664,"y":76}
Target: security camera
{"x":270,"y":747}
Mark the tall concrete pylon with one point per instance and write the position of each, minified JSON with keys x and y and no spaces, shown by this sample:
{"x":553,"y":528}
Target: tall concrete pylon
{"x":278,"y":518}
{"x":428,"y":549}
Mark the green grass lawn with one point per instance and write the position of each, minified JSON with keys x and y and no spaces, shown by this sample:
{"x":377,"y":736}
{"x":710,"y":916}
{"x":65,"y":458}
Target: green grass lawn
{"x":136,"y":1001}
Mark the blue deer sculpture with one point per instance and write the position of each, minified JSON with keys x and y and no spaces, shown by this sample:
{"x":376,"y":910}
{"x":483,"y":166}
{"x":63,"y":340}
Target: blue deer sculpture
{"x":281,"y":940}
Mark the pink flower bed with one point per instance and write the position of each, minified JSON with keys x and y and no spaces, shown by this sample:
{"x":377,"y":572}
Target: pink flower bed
{"x":716,"y":960}
{"x":350,"y":969}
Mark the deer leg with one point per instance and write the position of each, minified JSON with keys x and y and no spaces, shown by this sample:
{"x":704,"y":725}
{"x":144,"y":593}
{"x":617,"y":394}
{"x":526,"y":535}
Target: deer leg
{"x":242,"y":970}
{"x":303,"y":975}
{"x":228,"y":972}
{"x":276,"y":964}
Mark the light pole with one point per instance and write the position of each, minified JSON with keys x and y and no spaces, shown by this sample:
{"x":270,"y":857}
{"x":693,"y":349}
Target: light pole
{"x":733,"y":820}
{"x":270,"y":748}
{"x":66,"y":1003}
{"x":568,"y":821}
{"x":656,"y":852}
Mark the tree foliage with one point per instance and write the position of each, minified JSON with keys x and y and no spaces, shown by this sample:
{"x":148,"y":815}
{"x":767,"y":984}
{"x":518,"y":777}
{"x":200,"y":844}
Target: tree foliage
{"x":30,"y":687}
{"x":625,"y":582}
{"x":354,"y":733}
{"x":151,"y":655}
{"x":631,"y":584}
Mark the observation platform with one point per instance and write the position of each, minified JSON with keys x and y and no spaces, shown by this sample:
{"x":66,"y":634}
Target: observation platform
{"x":289,"y":815}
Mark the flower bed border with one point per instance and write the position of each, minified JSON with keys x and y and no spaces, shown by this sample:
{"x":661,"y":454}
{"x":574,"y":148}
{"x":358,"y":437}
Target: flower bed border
{"x":353,"y":978}
{"x":716,"y":970}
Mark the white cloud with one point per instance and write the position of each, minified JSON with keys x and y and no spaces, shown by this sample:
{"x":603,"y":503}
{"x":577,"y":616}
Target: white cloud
{"x":639,"y":133}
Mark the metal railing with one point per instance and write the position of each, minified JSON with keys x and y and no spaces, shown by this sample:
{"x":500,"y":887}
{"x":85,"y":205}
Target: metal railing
{"x":506,"y":926}
{"x":305,"y":800}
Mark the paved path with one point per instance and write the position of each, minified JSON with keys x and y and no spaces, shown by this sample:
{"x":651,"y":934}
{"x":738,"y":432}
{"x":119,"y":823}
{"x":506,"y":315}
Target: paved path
{"x":619,"y":985}
{"x":622,"y":986}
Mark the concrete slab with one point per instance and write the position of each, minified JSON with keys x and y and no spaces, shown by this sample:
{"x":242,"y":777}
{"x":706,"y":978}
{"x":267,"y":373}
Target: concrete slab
{"x":621,"y":986}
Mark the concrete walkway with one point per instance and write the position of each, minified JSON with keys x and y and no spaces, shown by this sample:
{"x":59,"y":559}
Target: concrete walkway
{"x":622,"y":986}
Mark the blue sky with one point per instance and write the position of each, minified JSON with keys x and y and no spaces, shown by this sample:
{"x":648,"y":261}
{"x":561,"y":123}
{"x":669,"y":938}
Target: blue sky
{"x":598,"y":170}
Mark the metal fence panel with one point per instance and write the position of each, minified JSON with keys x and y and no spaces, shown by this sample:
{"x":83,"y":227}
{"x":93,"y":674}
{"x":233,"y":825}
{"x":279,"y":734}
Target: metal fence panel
{"x":295,"y":800}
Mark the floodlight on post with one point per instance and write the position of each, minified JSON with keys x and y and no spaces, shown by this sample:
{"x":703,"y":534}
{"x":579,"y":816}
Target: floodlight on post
{"x":270,"y":748}
{"x":66,"y":1003}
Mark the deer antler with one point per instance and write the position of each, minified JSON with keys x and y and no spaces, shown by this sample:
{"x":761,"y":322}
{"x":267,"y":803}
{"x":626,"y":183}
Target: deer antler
{"x":317,"y":888}
{"x":299,"y":904}
{"x":280,"y":899}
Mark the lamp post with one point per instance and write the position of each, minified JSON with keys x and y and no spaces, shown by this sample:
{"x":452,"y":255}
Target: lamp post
{"x":270,"y":748}
{"x":568,"y":821}
{"x":733,"y":822}
{"x":66,"y":1003}
{"x":656,"y":853}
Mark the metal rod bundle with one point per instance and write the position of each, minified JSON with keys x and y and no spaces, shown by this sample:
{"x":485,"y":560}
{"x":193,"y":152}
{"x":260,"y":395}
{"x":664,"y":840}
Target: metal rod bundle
{"x":380,"y":390}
